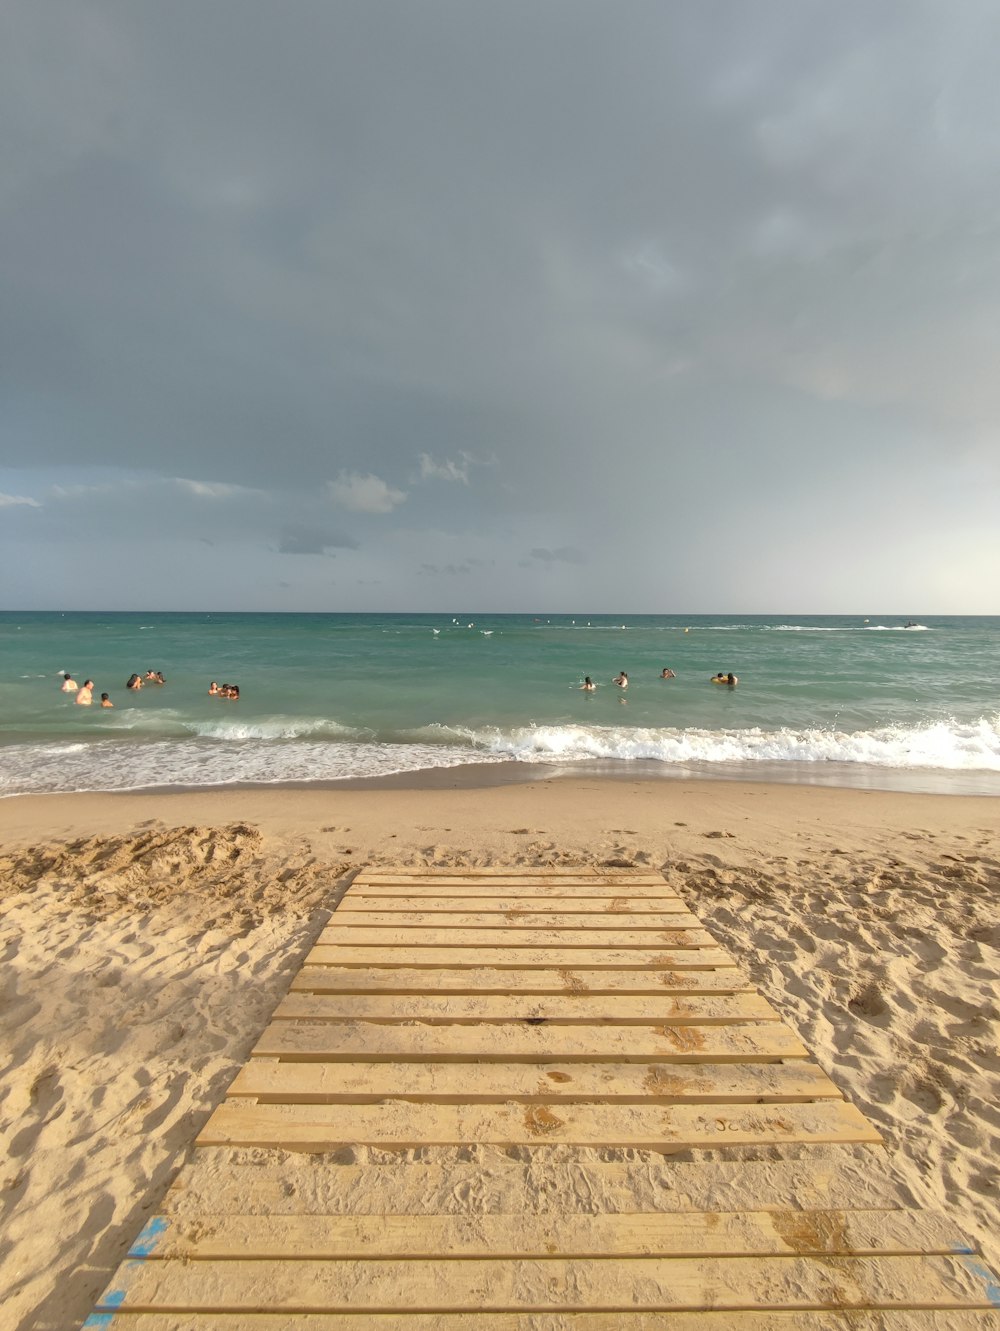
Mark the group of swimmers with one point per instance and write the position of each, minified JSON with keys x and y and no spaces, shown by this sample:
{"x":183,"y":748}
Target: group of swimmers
{"x":84,"y":692}
{"x":621,"y":679}
{"x":150,"y":677}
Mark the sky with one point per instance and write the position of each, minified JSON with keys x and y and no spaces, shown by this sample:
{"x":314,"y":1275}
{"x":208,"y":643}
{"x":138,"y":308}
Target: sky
{"x":542,"y":305}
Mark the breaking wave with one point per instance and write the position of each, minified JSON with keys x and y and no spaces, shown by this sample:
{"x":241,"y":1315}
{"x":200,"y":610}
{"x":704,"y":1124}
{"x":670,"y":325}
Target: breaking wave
{"x":275,"y":752}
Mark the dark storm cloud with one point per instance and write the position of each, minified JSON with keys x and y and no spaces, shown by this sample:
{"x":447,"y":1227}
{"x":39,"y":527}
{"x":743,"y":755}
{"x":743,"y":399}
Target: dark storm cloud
{"x":560,"y":278}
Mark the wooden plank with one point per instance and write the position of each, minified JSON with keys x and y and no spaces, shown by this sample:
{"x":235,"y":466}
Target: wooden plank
{"x":490,"y":1183}
{"x":518,"y":873}
{"x":527,"y":901}
{"x":718,"y":1234}
{"x":494,"y":888}
{"x":373,"y":1042}
{"x":480,"y":1083}
{"x":521,"y":958}
{"x":510,"y":920}
{"x":572,"y":1009}
{"x":799,"y":1320}
{"x":651,"y":1284}
{"x":487,"y":979}
{"x":336,"y":933}
{"x":397,"y":1124}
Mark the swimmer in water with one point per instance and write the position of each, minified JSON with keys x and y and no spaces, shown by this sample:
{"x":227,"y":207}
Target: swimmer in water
{"x":588,"y":685}
{"x":86,"y":695}
{"x":731,"y":680}
{"x":667,"y":674}
{"x":69,"y":684}
{"x":719,"y":678}
{"x":621,"y":680}
{"x":106,"y":701}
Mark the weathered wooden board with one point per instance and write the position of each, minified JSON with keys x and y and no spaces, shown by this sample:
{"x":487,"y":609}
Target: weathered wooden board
{"x":518,"y":873}
{"x":580,"y":1009}
{"x":661,"y":1127}
{"x":441,"y":939}
{"x":517,"y":958}
{"x":674,"y":1285}
{"x":799,"y":1320}
{"x":510,"y":901}
{"x":608,"y":890}
{"x":512,"y":920}
{"x":719,"y":1234}
{"x":516,"y":1041}
{"x":478,"y":1083}
{"x":489,"y":1182}
{"x":490,"y":980}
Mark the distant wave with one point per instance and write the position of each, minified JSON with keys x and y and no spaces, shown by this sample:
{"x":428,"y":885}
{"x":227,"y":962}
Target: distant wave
{"x":820,"y":628}
{"x":167,"y":721}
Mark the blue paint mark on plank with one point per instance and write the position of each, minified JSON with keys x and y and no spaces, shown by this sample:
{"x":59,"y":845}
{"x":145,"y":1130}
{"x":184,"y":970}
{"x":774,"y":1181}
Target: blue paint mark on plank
{"x":963,"y":1250}
{"x":111,"y":1298}
{"x":98,"y":1319}
{"x":990,"y":1282}
{"x":150,"y":1237}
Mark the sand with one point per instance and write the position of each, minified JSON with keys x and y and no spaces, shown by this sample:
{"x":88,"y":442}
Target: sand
{"x":147,"y":938}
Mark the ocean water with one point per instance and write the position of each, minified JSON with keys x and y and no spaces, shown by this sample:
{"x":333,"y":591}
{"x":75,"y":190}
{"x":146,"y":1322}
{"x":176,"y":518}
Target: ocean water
{"x":833,"y":700}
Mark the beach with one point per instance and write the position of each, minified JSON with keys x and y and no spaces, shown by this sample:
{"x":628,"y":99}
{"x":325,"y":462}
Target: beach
{"x":147,"y":938}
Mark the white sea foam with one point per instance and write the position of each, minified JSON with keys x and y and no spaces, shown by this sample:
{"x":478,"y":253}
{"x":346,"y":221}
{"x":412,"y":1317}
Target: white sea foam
{"x":274,"y":728}
{"x":265,"y":759}
{"x":165,"y":721}
{"x":109,"y":766}
{"x":942,"y":745}
{"x":817,"y":628}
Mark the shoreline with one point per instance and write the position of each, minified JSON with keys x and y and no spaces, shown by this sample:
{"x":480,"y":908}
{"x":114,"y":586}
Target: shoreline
{"x":299,"y":809}
{"x":148,"y":937}
{"x":947,"y":783}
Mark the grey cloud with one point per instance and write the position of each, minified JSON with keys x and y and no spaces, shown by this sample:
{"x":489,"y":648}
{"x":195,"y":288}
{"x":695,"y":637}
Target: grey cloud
{"x":447,"y":570}
{"x":536,"y":275}
{"x":564,"y":555}
{"x":310,"y":541}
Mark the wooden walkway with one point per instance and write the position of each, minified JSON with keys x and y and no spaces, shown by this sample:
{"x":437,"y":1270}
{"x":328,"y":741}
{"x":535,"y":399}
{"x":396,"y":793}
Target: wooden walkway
{"x":519,"y":1057}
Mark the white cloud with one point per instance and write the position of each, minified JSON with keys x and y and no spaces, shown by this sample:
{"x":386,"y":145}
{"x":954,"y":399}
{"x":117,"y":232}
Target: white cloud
{"x":364,"y":493}
{"x":9,"y":501}
{"x":214,"y":489}
{"x":448,"y":470}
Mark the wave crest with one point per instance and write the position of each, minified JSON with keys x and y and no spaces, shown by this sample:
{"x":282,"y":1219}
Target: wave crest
{"x":945,"y":745}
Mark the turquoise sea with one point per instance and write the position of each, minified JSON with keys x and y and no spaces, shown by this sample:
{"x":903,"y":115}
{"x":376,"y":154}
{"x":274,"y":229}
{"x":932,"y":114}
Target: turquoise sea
{"x":838,"y":700}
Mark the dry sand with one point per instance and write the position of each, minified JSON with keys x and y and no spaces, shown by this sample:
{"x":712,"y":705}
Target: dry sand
{"x":146,"y":939}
